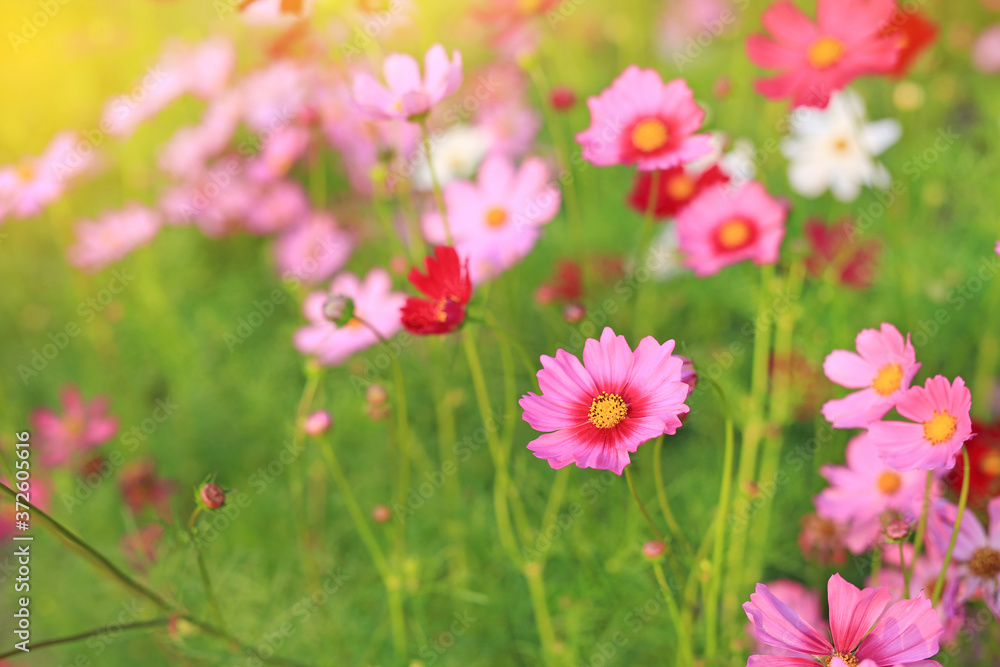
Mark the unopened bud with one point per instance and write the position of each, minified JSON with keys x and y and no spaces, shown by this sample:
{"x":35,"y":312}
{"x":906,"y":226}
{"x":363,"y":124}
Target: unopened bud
{"x":688,"y":374}
{"x":339,"y":309}
{"x":376,"y":395}
{"x":574,"y":312}
{"x":213,"y":496}
{"x":381,"y":513}
{"x":897,"y":530}
{"x":654,"y":549}
{"x":317,"y":423}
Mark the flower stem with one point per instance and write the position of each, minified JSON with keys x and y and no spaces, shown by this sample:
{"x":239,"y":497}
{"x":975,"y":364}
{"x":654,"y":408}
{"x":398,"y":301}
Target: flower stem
{"x":684,"y":655}
{"x":661,"y":497}
{"x":313,"y":374}
{"x":715,"y":580}
{"x":922,"y":526}
{"x":140,"y":625}
{"x":642,"y":508}
{"x":438,"y":196}
{"x":962,"y":500}
{"x":906,"y":570}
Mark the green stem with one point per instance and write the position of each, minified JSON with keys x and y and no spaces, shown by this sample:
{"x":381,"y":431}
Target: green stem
{"x":661,"y":497}
{"x":906,"y":571}
{"x":962,"y":500}
{"x":715,"y":580}
{"x":140,"y":625}
{"x":685,"y":656}
{"x":747,"y":468}
{"x":642,"y":507}
{"x":539,"y":603}
{"x":438,"y":196}
{"x":313,"y":373}
{"x":392,"y":583}
{"x":88,"y":552}
{"x":209,"y":591}
{"x":922,"y":526}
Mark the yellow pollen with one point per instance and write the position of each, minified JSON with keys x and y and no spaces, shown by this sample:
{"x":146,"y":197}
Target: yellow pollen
{"x":649,"y":135}
{"x":840,"y":145}
{"x":607,"y":410}
{"x":889,"y":482}
{"x":985,"y":562}
{"x":888,"y":379}
{"x":990,"y":464}
{"x":26,"y":171}
{"x":353,"y":323}
{"x":529,"y":6}
{"x":496,"y":217}
{"x":849,"y":659}
{"x":681,"y":187}
{"x":825,"y":51}
{"x":939,"y":429}
{"x":734,"y":234}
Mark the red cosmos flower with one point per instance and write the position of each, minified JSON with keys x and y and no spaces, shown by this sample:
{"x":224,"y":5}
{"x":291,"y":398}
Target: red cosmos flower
{"x":832,"y":248}
{"x":448,"y":288}
{"x":565,"y":285}
{"x":913,"y":32}
{"x":677,"y":188}
{"x":984,"y":460}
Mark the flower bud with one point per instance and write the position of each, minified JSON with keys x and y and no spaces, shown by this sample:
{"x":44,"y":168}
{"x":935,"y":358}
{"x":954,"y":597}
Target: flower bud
{"x":653,"y":549}
{"x":317,"y":423}
{"x":897,"y":530}
{"x":562,"y":98}
{"x":213,"y":496}
{"x":339,"y":309}
{"x":381,"y":513}
{"x":574,"y":312}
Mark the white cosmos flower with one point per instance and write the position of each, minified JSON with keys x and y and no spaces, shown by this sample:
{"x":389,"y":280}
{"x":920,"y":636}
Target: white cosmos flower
{"x":833,"y":148}
{"x":456,"y":153}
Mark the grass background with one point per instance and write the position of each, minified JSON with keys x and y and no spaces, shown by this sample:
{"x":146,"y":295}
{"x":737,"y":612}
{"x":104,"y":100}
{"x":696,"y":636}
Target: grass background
{"x":163,"y":338}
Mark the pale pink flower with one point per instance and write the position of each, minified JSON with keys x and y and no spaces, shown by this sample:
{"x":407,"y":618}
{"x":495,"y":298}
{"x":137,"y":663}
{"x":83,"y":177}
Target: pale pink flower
{"x":409,"y":96}
{"x":986,"y":51}
{"x":313,"y":250}
{"x":219,"y":201}
{"x":976,"y":555}
{"x":725,"y":226}
{"x":187,"y":153}
{"x":940,"y":426}
{"x":497,"y":220}
{"x":35,"y":182}
{"x":865,"y":492}
{"x":81,"y":426}
{"x":640,"y":120}
{"x":598,"y":412}
{"x":683,"y":22}
{"x":277,"y":207}
{"x":279,"y":153}
{"x":512,"y":127}
{"x":864,"y":631}
{"x":113,"y":236}
{"x":374,"y":302}
{"x":882,"y":370}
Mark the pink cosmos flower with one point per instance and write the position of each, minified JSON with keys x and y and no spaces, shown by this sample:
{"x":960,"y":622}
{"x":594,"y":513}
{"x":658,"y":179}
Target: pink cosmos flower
{"x":986,"y":51}
{"x":408,"y":96}
{"x":35,"y":182}
{"x":941,"y":412}
{"x":81,"y":426}
{"x":923,"y":579}
{"x":374,"y":302}
{"x":279,"y":153}
{"x":905,"y":635}
{"x":976,"y":554}
{"x":598,"y":412}
{"x":640,"y":120}
{"x":803,"y":601}
{"x":817,"y":59}
{"x":882,"y":369}
{"x":277,"y":208}
{"x":725,"y":226}
{"x":497,"y":220}
{"x":113,"y":236}
{"x":865,"y":492}
{"x":313,"y":250}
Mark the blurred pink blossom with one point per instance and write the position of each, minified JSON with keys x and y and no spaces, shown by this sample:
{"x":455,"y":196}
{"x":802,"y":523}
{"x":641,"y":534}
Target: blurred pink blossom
{"x":113,"y":236}
{"x":80,"y":427}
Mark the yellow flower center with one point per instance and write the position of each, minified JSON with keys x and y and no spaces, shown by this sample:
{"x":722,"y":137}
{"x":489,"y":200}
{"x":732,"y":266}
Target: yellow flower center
{"x":985,"y":562}
{"x":529,"y":6}
{"x":734,"y":234}
{"x":849,"y":659}
{"x":26,"y":171}
{"x":353,"y":323}
{"x":889,"y":482}
{"x":496,"y":217}
{"x":825,"y":52}
{"x":990,"y":464}
{"x":939,"y":429}
{"x":607,"y":410}
{"x":649,"y":135}
{"x":888,"y":379}
{"x":681,"y":187}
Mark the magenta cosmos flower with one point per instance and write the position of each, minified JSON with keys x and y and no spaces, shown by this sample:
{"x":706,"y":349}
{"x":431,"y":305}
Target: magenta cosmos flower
{"x":817,"y":59}
{"x":113,"y":236}
{"x":408,"y":96}
{"x":941,"y":412}
{"x":723,"y":226}
{"x":81,"y":426}
{"x":882,"y":369}
{"x":313,"y":250}
{"x":642,"y":121}
{"x":497,"y":220}
{"x":803,"y":601}
{"x":866,"y":493}
{"x":374,"y":302}
{"x":905,"y":635}
{"x":601,"y":410}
